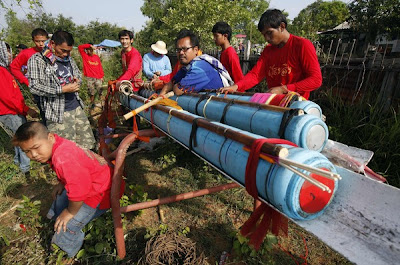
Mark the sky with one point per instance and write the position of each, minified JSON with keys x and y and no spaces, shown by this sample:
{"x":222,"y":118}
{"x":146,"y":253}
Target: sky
{"x":125,"y":13}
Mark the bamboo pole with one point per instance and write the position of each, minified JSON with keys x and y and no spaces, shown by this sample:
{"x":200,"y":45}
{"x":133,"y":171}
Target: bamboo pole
{"x":147,"y":105}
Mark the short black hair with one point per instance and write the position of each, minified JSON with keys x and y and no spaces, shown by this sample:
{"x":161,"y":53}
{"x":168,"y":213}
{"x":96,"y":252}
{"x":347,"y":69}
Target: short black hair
{"x":222,"y":28}
{"x":194,"y":39}
{"x":61,"y":36}
{"x":271,"y":18}
{"x":125,"y":32}
{"x":21,"y":46}
{"x":39,"y":32}
{"x":29,"y":130}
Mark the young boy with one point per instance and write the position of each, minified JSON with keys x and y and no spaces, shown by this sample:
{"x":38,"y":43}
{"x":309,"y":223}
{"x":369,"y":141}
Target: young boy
{"x":222,"y":36}
{"x":12,"y":105}
{"x":83,"y":192}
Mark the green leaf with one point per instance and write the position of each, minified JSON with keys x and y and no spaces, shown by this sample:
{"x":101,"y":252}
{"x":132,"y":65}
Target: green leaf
{"x":99,"y":248}
{"x":80,"y":254}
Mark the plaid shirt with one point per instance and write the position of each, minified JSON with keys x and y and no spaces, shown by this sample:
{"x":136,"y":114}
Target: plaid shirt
{"x":43,"y":81}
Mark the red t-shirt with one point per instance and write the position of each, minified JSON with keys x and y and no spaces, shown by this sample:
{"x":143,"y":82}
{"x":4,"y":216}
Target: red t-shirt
{"x":11,"y":99}
{"x":85,"y":175}
{"x":20,"y":60}
{"x":91,"y":63}
{"x":230,"y":61}
{"x":131,"y":65}
{"x":294,"y":65}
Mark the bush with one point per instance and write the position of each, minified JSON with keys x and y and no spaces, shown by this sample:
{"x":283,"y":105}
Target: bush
{"x":365,"y":125}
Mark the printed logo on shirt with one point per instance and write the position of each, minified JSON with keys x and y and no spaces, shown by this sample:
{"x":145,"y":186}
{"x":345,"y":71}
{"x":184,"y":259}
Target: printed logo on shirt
{"x":93,"y":63}
{"x":284,"y":70}
{"x":15,"y":85}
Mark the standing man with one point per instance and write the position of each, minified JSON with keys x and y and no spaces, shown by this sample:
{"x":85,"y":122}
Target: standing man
{"x":222,"y":33}
{"x":39,"y":36}
{"x":288,"y":62}
{"x":19,"y":64}
{"x":131,"y":60}
{"x":55,"y":78}
{"x":156,"y":64}
{"x":198,"y":72}
{"x":92,"y":69}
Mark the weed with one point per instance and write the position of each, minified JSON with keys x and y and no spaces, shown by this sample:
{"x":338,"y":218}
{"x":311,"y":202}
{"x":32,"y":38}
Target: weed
{"x":29,"y":212}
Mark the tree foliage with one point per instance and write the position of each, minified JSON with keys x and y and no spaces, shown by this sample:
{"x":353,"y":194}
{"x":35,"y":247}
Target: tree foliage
{"x":19,"y":30}
{"x":319,"y":16}
{"x":167,"y":17}
{"x":376,"y":17}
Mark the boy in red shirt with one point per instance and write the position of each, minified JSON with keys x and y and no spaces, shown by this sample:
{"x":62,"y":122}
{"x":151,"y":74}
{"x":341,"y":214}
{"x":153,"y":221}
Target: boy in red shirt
{"x":83,"y":192}
{"x":288,"y":62}
{"x":92,"y":69}
{"x":39,"y":37}
{"x":222,"y":36}
{"x":12,"y":105}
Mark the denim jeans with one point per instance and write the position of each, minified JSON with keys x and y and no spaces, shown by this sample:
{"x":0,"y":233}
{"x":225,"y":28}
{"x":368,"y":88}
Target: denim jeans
{"x":71,"y":241}
{"x":13,"y":122}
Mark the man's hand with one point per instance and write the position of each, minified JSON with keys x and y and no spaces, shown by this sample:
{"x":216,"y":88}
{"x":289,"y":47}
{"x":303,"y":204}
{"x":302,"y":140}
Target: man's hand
{"x":177,"y":90}
{"x":278,"y":90}
{"x":62,"y":221}
{"x":228,"y":89}
{"x":33,"y":113}
{"x":167,"y":87}
{"x":57,"y":190}
{"x":157,"y":73}
{"x":71,"y":87}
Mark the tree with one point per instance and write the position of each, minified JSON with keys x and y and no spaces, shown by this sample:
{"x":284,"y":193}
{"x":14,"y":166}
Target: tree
{"x":376,"y":17}
{"x":319,"y":16}
{"x":167,"y":17}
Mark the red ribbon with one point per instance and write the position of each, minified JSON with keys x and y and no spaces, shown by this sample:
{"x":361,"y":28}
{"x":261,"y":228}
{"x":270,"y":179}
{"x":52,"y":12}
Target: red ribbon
{"x":272,"y":220}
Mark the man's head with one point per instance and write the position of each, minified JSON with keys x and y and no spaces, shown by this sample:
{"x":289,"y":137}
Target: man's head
{"x":222,"y":32}
{"x":126,"y":38}
{"x":272,"y":26}
{"x":35,"y":140}
{"x":62,"y":43}
{"x":187,"y":46}
{"x":39,"y":37}
{"x":90,"y":50}
{"x":159,"y":48}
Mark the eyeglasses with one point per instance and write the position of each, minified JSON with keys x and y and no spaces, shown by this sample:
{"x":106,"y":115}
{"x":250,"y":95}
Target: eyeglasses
{"x":184,"y":49}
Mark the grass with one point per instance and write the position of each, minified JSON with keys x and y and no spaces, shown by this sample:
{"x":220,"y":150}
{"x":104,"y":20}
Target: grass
{"x":366,"y":125}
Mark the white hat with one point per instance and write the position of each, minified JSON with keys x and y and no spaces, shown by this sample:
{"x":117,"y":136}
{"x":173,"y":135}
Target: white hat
{"x":160,"y":47}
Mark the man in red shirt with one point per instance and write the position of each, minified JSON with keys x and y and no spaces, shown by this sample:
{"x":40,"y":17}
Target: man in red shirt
{"x":12,"y":105}
{"x":288,"y":62}
{"x":222,"y":36}
{"x":92,"y":69}
{"x":83,"y":191}
{"x":131,"y":60}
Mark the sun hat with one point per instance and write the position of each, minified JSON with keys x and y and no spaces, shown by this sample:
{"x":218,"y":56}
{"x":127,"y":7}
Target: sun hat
{"x":159,"y":47}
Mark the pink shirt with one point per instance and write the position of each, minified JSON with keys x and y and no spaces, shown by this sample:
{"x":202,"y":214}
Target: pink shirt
{"x":294,"y":65}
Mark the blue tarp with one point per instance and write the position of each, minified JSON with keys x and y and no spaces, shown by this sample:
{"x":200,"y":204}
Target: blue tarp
{"x":109,"y":43}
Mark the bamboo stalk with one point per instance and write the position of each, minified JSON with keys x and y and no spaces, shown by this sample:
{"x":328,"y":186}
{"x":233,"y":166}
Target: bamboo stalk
{"x":311,"y":169}
{"x":308,"y":178}
{"x":147,"y":105}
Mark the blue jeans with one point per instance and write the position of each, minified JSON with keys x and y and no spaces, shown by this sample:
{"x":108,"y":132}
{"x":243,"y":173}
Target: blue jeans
{"x":71,"y":241}
{"x":13,"y":122}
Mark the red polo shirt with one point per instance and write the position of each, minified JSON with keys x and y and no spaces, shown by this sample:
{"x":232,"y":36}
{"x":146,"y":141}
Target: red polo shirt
{"x":20,"y":60}
{"x":230,"y":61}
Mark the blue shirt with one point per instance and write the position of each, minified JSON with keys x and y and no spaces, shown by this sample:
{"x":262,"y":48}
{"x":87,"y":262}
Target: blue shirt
{"x":198,"y":76}
{"x":152,"y":64}
{"x":65,"y":75}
